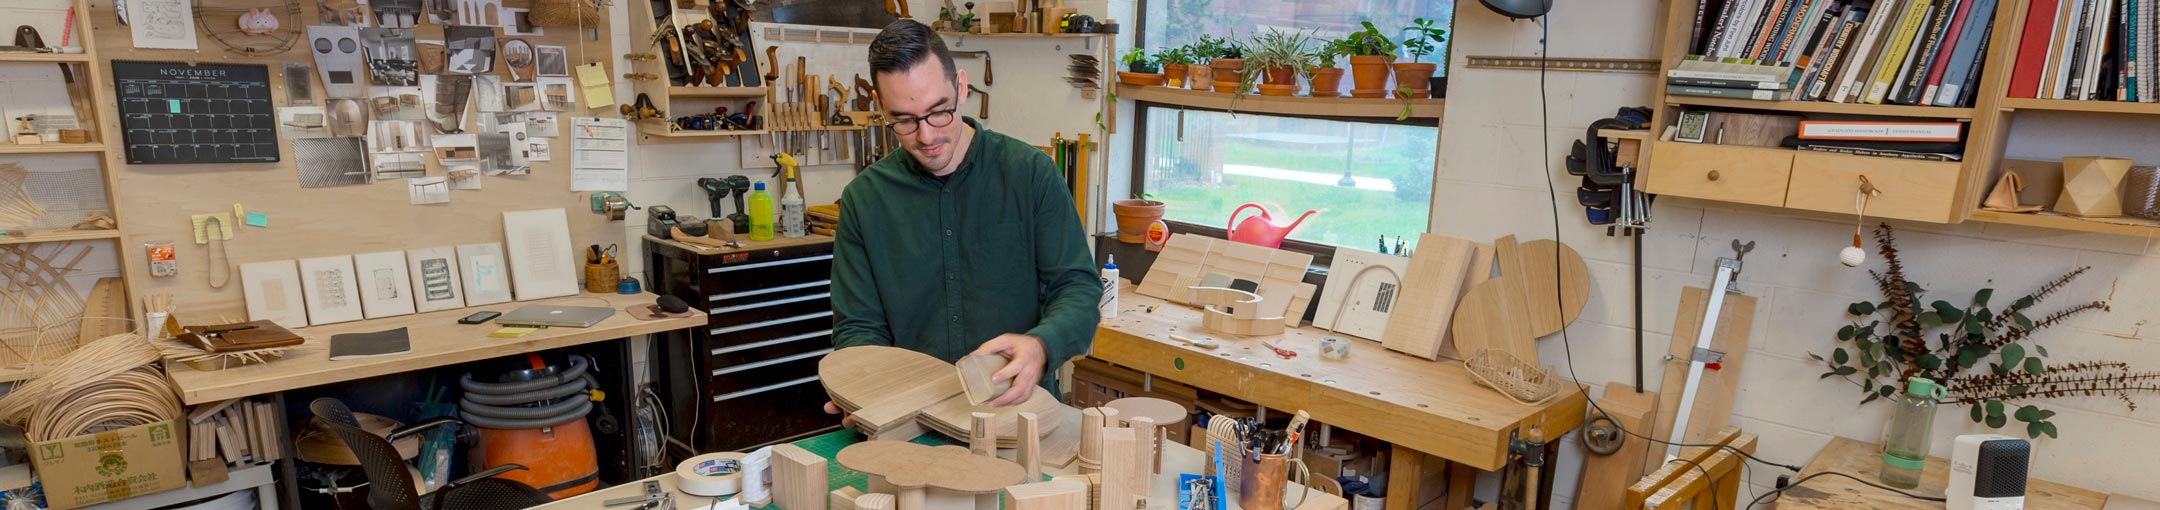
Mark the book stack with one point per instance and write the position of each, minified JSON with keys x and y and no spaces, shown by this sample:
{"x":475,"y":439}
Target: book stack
{"x":1928,"y":141}
{"x":1908,"y":52}
{"x":2087,"y":50}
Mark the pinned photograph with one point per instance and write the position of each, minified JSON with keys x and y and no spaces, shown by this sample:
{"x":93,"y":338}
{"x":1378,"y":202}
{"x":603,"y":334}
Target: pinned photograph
{"x":488,"y":92}
{"x":350,"y":13}
{"x":465,"y":177}
{"x":479,"y":12}
{"x":503,"y":146}
{"x":519,"y":22}
{"x":329,"y":162}
{"x":521,"y":97}
{"x":392,"y":58}
{"x":555,"y":94}
{"x":347,"y":117}
{"x":337,"y":59}
{"x":397,"y":149}
{"x":299,"y":84}
{"x":517,"y":57}
{"x":471,"y":49}
{"x":428,"y":190}
{"x":439,"y":12}
{"x":433,"y":56}
{"x":539,"y":149}
{"x":396,"y":13}
{"x":542,"y":125}
{"x":445,"y":99}
{"x":458,"y":147}
{"x":303,"y":122}
{"x":553,"y":61}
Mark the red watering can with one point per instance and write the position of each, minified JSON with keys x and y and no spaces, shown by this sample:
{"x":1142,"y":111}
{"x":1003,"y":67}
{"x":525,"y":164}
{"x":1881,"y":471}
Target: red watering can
{"x":1261,"y":230}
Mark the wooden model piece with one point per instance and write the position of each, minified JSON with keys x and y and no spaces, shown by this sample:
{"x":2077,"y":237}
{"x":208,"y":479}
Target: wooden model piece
{"x":842,"y":499}
{"x":975,"y":372}
{"x":1144,"y":437}
{"x":1436,"y":274}
{"x":982,"y":435}
{"x":1222,"y":436}
{"x":2092,"y":186}
{"x":1177,"y":267}
{"x":1234,"y":312}
{"x":1164,"y":413}
{"x":1540,"y":282}
{"x":1061,"y":494}
{"x":1494,"y":314}
{"x":1091,"y":426}
{"x":799,"y":481}
{"x":876,"y":502}
{"x":948,"y":468}
{"x":1515,"y":379}
{"x":885,"y":387}
{"x":1119,"y":468}
{"x":955,"y":417}
{"x":1030,"y":452}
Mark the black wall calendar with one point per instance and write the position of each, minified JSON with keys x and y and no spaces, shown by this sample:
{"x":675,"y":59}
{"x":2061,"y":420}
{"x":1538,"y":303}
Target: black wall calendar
{"x":174,"y":112}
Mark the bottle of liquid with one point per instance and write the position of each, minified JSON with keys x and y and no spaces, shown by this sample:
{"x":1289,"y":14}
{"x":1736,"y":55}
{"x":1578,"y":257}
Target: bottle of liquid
{"x":791,"y":212}
{"x":1905,"y":445}
{"x":1109,"y":303}
{"x":761,"y":214}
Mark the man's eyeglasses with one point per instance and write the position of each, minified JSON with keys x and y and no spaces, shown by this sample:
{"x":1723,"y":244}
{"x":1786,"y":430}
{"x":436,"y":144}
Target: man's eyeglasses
{"x":936,"y":119}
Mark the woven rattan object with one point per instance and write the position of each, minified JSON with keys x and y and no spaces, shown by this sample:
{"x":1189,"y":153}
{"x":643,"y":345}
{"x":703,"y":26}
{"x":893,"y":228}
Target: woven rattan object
{"x":1522,"y":382}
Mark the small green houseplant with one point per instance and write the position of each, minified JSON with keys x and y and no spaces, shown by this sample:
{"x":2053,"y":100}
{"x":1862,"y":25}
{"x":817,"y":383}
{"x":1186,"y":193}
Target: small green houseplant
{"x":1276,"y":59}
{"x":1226,"y":56}
{"x":1326,"y":77}
{"x":1420,"y":39}
{"x":1175,"y":63}
{"x":1370,"y":52}
{"x":1141,"y":70}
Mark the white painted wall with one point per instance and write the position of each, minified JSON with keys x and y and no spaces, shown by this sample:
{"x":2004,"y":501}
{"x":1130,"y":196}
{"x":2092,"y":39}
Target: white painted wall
{"x":1802,"y":291}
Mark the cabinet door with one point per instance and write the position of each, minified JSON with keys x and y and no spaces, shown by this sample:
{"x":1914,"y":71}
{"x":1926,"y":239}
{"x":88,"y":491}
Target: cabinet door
{"x":1911,"y":189}
{"x":1726,"y":173}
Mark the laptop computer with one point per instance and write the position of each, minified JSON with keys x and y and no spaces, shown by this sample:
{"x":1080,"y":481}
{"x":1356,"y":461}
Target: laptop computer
{"x":553,"y":315}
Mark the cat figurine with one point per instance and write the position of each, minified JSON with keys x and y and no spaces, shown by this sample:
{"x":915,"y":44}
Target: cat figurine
{"x":258,"y":22}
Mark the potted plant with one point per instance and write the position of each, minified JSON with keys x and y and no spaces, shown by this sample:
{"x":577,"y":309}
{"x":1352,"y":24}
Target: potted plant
{"x":1140,"y":70}
{"x":1369,"y":51}
{"x":1134,"y":216}
{"x":1277,"y":59}
{"x":1225,"y":58}
{"x":1175,"y":62}
{"x":1420,"y":39}
{"x":1326,"y":78}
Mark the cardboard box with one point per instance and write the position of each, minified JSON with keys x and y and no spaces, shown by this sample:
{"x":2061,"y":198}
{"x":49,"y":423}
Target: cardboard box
{"x":109,"y":466}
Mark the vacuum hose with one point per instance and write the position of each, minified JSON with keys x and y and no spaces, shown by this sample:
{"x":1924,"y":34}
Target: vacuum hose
{"x":538,"y":403}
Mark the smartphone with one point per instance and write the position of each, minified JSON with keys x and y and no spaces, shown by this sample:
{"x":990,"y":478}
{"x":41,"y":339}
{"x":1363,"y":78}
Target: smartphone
{"x":479,"y":317}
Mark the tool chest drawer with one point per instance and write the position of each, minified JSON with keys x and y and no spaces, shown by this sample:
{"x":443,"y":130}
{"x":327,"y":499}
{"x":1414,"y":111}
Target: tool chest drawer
{"x":751,"y":372}
{"x":741,"y":279}
{"x":1911,"y":189}
{"x":779,"y":347}
{"x":784,"y":410}
{"x":1729,"y":173}
{"x":750,"y":376}
{"x":725,"y":319}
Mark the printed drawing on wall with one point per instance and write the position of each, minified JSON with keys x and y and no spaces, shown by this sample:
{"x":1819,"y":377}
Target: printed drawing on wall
{"x":392,"y":57}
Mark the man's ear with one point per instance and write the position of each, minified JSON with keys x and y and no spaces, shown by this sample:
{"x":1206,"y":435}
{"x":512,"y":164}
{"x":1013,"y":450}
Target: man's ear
{"x":960,"y":89}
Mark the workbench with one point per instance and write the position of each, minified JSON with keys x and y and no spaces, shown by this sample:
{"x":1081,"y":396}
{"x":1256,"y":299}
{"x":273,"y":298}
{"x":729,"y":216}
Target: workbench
{"x":1864,"y":460}
{"x":1177,"y":459}
{"x":1422,"y":407}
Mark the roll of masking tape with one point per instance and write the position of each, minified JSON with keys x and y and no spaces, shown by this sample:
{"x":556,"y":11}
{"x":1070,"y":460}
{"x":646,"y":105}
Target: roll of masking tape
{"x":710,"y":475}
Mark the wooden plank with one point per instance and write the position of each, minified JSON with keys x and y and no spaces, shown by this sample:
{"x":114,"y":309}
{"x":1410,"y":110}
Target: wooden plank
{"x":1519,"y":338}
{"x":1669,"y":471}
{"x":1549,"y":268}
{"x":1481,"y":269}
{"x":1605,"y":477}
{"x":1714,"y":395}
{"x":447,"y":343}
{"x":1432,"y":288}
{"x":1405,"y":467}
{"x":799,"y":478}
{"x":1179,"y":263}
{"x":1864,"y":460}
{"x":1720,"y":465}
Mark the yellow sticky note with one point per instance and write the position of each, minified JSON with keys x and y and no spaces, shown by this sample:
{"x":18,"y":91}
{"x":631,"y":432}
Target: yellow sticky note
{"x":593,"y":79}
{"x":512,"y":332}
{"x":205,"y":224}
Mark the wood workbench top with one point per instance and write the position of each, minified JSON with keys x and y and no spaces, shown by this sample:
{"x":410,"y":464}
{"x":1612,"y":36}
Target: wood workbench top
{"x":437,"y":340}
{"x":1864,"y":460}
{"x":1429,"y":406}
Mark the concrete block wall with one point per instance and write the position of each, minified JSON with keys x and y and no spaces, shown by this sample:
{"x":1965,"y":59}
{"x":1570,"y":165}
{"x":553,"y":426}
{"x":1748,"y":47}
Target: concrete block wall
{"x":1801,"y":290}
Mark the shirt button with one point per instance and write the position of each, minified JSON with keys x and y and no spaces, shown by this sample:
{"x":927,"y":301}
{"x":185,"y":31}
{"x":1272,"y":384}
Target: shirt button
{"x":948,"y":277}
{"x":956,"y":318}
{"x":948,"y":232}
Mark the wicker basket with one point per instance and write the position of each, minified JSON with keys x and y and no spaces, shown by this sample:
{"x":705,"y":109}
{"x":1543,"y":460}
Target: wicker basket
{"x":561,"y":13}
{"x":601,"y":278}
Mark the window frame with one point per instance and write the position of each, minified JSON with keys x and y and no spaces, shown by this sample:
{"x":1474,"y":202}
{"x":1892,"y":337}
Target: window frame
{"x":1323,"y":254}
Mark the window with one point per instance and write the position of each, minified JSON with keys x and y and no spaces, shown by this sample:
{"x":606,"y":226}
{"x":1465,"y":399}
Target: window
{"x":1170,"y":23}
{"x":1373,"y":178}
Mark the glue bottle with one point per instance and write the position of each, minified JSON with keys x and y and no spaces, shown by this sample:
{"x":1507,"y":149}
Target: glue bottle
{"x":761,"y":214}
{"x":1109,"y":303}
{"x":791,"y":212}
{"x":1905,"y":445}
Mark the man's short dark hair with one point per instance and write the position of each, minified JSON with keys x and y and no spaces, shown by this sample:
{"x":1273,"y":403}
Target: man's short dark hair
{"x":903,"y":45}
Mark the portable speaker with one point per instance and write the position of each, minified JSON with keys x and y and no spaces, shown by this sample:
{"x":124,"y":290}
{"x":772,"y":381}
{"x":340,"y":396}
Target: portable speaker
{"x":1987,"y":472}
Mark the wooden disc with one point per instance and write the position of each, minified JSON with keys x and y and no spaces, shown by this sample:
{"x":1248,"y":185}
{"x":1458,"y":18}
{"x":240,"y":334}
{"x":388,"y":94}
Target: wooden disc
{"x":858,"y":377}
{"x":1547,"y":315}
{"x":1485,"y":319}
{"x":1163,"y":412}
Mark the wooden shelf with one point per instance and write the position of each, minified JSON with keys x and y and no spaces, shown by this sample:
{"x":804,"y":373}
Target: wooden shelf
{"x":44,"y":57}
{"x":2060,"y":222}
{"x":663,"y":132}
{"x":1287,"y":105}
{"x":1018,"y":35}
{"x":2059,"y":105}
{"x":52,"y":148}
{"x":1628,"y":134}
{"x":727,"y":92}
{"x":47,"y":236}
{"x":1932,"y":112}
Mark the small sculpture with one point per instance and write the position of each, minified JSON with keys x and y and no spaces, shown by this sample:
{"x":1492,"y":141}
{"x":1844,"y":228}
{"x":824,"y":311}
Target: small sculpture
{"x":258,"y":22}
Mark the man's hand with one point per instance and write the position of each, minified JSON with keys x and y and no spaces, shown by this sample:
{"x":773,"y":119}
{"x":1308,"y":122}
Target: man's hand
{"x":1023,"y":370}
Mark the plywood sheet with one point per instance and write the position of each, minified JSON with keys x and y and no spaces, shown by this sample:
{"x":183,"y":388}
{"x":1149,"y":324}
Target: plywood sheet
{"x":1714,"y":398}
{"x":1550,"y":267}
{"x":1481,"y":269}
{"x":1176,"y":267}
{"x":1430,"y":291}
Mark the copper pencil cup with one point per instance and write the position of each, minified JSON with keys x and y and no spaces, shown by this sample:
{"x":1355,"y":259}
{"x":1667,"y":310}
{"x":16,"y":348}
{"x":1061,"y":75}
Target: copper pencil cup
{"x":1263,"y":478}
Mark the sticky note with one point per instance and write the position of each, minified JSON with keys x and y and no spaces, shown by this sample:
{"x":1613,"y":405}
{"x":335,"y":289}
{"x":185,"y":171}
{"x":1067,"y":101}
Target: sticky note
{"x":593,"y":79}
{"x":205,"y":224}
{"x":256,"y":219}
{"x":173,"y":105}
{"x":513,"y":332}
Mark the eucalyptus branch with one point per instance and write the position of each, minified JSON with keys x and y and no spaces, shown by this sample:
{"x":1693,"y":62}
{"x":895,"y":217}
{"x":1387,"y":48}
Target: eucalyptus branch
{"x":2052,"y":319}
{"x":1997,"y":323}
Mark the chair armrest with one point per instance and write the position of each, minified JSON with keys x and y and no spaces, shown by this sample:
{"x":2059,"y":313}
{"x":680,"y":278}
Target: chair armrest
{"x":489,"y":473}
{"x":422,"y":426}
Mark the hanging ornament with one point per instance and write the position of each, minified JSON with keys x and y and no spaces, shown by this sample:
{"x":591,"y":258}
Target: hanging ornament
{"x":1853,"y":256}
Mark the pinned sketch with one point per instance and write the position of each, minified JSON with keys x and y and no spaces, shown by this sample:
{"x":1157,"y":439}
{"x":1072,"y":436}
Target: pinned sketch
{"x":472,"y":49}
{"x":486,"y":275}
{"x":303,"y":122}
{"x":539,"y":150}
{"x":446,"y":98}
{"x":351,"y":13}
{"x":555,"y":94}
{"x":346,"y":116}
{"x":385,"y":288}
{"x":397,"y":149}
{"x":428,"y":190}
{"x":396,"y":13}
{"x":479,"y":12}
{"x":519,"y":22}
{"x":397,"y":103}
{"x":517,"y":58}
{"x":327,"y":285}
{"x":542,"y":125}
{"x":458,"y":147}
{"x":521,"y":97}
{"x":464,"y":177}
{"x":299,"y":84}
{"x":327,"y":162}
{"x":162,"y":24}
{"x":541,"y":264}
{"x":337,"y":59}
{"x":552,"y":61}
{"x":393,"y":57}
{"x":273,"y":293}
{"x":488,"y":93}
{"x":435,"y":279}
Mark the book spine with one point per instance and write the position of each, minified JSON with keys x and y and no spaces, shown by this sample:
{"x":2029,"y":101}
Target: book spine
{"x":2096,"y":49}
{"x":2149,"y":50}
{"x":2074,"y":82}
{"x":2049,"y":74}
{"x":1973,"y":70}
{"x":1886,"y":68}
{"x":1817,"y":47}
{"x":1708,"y":46}
{"x":1713,"y":75}
{"x":1782,"y":37}
{"x":2128,"y":71}
{"x":1856,"y":151}
{"x":1970,"y":48}
{"x":1738,"y":28}
{"x":1880,"y":131}
{"x":1730,"y":84}
{"x":1835,"y":59}
{"x":1764,"y":21}
{"x":1861,"y":50}
{"x":1943,"y":52}
{"x":1758,"y":95}
{"x":1702,"y":8}
{"x":1923,"y":62}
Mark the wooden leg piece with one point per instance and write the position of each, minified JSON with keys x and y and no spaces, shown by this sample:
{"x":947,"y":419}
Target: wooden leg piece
{"x":1118,"y":469}
{"x":982,"y":436}
{"x":1030,"y":452}
{"x":1091,"y":425}
{"x":1462,"y":482}
{"x":799,"y":481}
{"x":1063,"y":494}
{"x":1144,"y":432}
{"x":913,"y":498}
{"x":1405,"y":466}
{"x":986,"y":501}
{"x":843,"y":499}
{"x":876,"y":502}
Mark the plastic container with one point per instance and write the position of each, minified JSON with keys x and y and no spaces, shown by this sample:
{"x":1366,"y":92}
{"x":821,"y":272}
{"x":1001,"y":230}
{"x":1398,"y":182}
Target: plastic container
{"x":1905,"y":444}
{"x":791,"y":212}
{"x":1109,"y":304}
{"x":761,"y":214}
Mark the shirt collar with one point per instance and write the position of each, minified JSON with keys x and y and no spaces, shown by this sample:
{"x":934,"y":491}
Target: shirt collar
{"x":967,"y":161}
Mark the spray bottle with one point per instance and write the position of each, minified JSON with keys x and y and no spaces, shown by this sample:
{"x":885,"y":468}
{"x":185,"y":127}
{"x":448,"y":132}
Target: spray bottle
{"x":791,"y":204}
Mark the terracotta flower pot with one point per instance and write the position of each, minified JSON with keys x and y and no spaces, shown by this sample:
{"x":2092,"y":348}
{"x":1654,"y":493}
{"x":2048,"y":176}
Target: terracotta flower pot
{"x":1139,"y":79}
{"x":1173,"y":75}
{"x":1416,"y":76}
{"x":1226,"y":69}
{"x":1227,"y":87}
{"x":1133,"y":218}
{"x":1279,"y":75}
{"x":1369,"y":72}
{"x":1327,"y":82}
{"x":1270,"y":89}
{"x":1197,"y":76}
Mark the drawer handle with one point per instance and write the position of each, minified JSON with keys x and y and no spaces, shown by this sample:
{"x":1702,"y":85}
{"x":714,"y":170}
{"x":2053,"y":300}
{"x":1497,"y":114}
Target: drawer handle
{"x":1713,"y":175}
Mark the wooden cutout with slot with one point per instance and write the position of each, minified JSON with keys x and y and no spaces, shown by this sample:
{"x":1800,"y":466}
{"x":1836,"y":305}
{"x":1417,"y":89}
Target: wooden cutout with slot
{"x":1092,"y":422}
{"x":982,"y":434}
{"x":1235,"y":312}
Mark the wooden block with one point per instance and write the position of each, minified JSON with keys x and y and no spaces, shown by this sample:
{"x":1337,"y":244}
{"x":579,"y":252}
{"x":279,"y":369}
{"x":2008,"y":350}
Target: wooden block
{"x":842,"y":499}
{"x":1093,"y":482}
{"x":1030,"y":451}
{"x":203,"y":413}
{"x":228,"y":440}
{"x":1298,"y":303}
{"x":1714,"y":396}
{"x":799,"y":478}
{"x":1091,"y":425}
{"x":1572,"y":282}
{"x":982,"y":434}
{"x":913,"y":498}
{"x":1119,"y":468}
{"x":1144,"y":437}
{"x":1437,"y":271}
{"x":1605,"y":478}
{"x":207,"y":472}
{"x":1062,"y":494}
{"x":875,"y":502}
{"x":975,"y":372}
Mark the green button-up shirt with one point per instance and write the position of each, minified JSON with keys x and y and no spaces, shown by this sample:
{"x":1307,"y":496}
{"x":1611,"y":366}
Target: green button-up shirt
{"x":940,"y":266}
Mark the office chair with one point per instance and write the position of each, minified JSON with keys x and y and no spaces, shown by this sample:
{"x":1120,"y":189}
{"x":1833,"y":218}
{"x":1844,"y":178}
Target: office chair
{"x":390,"y":487}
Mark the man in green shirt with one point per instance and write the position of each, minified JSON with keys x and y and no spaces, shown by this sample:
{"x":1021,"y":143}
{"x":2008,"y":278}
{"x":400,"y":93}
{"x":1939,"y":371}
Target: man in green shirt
{"x":964,"y":242}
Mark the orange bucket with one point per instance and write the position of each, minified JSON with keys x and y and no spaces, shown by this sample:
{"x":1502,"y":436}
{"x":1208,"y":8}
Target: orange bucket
{"x":560,"y":460}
